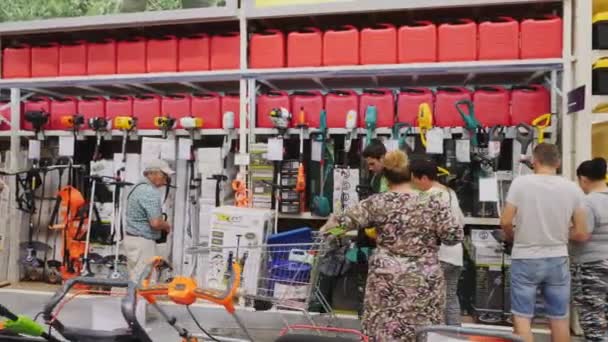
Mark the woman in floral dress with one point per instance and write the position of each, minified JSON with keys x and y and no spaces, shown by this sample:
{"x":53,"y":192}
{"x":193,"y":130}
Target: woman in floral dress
{"x":405,"y":286}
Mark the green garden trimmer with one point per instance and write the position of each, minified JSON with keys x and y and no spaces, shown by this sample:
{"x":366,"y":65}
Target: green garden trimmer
{"x":320,"y":203}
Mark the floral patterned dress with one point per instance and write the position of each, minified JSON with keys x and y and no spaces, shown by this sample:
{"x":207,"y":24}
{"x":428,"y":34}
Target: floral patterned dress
{"x":405,"y":286}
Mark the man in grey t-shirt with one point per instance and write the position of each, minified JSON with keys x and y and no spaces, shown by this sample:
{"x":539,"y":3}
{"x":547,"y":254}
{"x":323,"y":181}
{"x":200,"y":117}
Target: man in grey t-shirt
{"x":538,"y":216}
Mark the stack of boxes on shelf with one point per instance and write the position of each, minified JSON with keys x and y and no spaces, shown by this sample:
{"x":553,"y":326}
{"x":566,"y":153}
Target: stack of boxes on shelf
{"x":501,"y":38}
{"x":491,"y":273}
{"x":289,"y":199}
{"x":133,"y":55}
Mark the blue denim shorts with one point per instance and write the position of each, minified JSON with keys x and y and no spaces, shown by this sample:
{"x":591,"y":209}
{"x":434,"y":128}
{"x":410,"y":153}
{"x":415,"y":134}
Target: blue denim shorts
{"x":551,"y":276}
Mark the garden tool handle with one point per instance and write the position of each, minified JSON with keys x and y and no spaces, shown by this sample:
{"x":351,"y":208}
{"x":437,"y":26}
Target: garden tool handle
{"x":470,"y":122}
{"x":5,"y":312}
{"x":226,"y":298}
{"x":524,"y":138}
{"x":541,"y":123}
{"x":442,"y":171}
{"x":496,"y":133}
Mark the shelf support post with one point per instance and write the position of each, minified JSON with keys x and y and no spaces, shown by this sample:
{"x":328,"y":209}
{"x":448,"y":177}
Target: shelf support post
{"x":14,"y":226}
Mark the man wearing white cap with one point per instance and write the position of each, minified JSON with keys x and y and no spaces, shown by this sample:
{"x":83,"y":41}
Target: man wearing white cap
{"x":144,"y":217}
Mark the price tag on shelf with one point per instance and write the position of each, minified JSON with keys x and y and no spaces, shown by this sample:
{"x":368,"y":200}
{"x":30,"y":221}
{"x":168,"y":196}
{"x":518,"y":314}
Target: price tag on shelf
{"x":242,"y":159}
{"x":463,"y":151}
{"x":315,"y":151}
{"x":66,"y":146}
{"x":184,"y":147}
{"x":33,"y":149}
{"x":434,"y":141}
{"x":275,"y":149}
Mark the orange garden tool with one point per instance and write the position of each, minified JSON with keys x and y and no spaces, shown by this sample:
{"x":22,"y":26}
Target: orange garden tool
{"x":70,"y":208}
{"x":541,"y":123}
{"x":73,"y":122}
{"x":185,"y":291}
{"x":301,"y":179}
{"x":241,"y":193}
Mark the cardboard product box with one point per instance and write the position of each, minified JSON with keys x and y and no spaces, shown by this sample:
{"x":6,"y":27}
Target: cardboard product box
{"x":243,"y":226}
{"x":345,"y":180}
{"x":492,"y":286}
{"x":257,"y":155}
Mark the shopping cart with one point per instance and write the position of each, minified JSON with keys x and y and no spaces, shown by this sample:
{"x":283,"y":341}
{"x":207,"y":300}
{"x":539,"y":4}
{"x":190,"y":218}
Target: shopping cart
{"x":284,"y":275}
{"x":440,"y":333}
{"x":320,"y":334}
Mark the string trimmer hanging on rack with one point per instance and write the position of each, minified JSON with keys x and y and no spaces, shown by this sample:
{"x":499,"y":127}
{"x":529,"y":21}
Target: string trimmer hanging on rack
{"x":73,"y":122}
{"x":320,"y":203}
{"x":524,"y":135}
{"x":165,"y":124}
{"x":280,"y":118}
{"x":126,"y":124}
{"x":399,"y":133}
{"x":301,"y":178}
{"x":424,"y":121}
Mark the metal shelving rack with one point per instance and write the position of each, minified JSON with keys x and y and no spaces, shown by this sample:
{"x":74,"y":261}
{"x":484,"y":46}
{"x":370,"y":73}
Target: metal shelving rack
{"x":559,"y":72}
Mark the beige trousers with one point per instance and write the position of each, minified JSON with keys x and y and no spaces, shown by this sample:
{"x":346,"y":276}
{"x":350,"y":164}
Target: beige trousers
{"x":139,"y":253}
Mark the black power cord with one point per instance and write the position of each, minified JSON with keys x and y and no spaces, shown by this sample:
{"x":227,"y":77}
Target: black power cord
{"x":199,"y":325}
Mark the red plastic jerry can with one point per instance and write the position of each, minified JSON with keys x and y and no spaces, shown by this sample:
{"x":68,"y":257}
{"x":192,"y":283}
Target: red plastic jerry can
{"x":194,"y":53}
{"x":146,"y":108}
{"x":6,"y":114}
{"x":231,"y":102}
{"x":337,"y":105}
{"x":131,"y":56}
{"x":529,"y":102}
{"x":225,"y":51}
{"x":176,"y":106}
{"x":60,"y":107}
{"x":207,"y":106}
{"x":541,"y":37}
{"x":305,"y":48}
{"x":384,"y":101}
{"x":92,"y":107}
{"x":45,"y":60}
{"x":457,"y":41}
{"x":418,"y":42}
{"x":266,"y":103}
{"x":311,"y":102}
{"x":73,"y":59}
{"x":161,"y":54}
{"x":409,"y":101}
{"x":101,"y":57}
{"x":499,"y":39}
{"x":40,"y":103}
{"x":446,"y":114}
{"x":119,"y":106}
{"x":492,"y":106}
{"x":267,"y":49}
{"x":379,"y":44}
{"x":17,"y":62}
{"x":341,"y":46}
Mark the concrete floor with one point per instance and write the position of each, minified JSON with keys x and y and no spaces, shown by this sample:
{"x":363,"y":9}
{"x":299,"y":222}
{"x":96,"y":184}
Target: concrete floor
{"x":90,"y":311}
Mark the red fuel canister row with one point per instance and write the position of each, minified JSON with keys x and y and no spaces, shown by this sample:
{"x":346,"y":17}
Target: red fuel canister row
{"x":207,"y":106}
{"x":494,"y":105}
{"x":420,"y":41}
{"x":128,"y":56}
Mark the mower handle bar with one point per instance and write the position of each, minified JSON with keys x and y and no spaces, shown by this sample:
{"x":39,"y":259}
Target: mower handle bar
{"x":460,"y":331}
{"x":5,"y":312}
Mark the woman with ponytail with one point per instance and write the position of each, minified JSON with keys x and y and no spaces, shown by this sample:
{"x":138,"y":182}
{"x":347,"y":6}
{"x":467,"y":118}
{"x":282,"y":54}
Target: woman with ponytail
{"x":405,"y":288}
{"x":590,"y":258}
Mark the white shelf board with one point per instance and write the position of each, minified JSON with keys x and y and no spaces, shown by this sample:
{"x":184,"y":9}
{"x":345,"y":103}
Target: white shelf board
{"x":478,"y":221}
{"x":412,"y":69}
{"x":110,"y":80}
{"x":141,"y":132}
{"x":300,"y":8}
{"x":208,"y":14}
{"x":510,"y":132}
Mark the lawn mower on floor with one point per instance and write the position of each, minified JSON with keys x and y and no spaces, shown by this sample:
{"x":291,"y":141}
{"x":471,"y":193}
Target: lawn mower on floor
{"x":21,"y":328}
{"x":185,"y":291}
